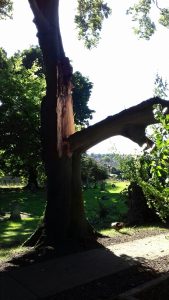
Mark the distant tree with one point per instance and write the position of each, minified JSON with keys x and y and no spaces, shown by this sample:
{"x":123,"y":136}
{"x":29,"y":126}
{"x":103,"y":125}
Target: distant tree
{"x":23,"y":81}
{"x":20,"y":117}
{"x":81,"y":94}
{"x":92,"y":171}
{"x":30,"y":56}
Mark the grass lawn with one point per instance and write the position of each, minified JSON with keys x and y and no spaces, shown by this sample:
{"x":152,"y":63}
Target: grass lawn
{"x":12,"y":233}
{"x":103,"y":204}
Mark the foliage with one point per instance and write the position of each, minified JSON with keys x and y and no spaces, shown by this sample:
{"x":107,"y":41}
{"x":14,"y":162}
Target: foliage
{"x":82,"y":86}
{"x":109,"y":160}
{"x":23,"y":84}
{"x":91,"y":170}
{"x":105,"y":206}
{"x":141,"y":13}
{"x":19,"y":114}
{"x":6,"y":7}
{"x":151,"y":170}
{"x":160,"y":87}
{"x":81,"y":94}
{"x":128,"y":166}
{"x":89,"y":19}
{"x":31,"y":56}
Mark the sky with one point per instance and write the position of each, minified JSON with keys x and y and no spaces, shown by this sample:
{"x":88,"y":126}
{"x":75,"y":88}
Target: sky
{"x":122,"y":67}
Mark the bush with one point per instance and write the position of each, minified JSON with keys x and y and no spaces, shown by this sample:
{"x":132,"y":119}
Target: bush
{"x":151,"y":170}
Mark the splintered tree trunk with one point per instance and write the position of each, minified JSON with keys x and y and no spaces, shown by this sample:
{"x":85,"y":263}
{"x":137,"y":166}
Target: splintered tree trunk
{"x":64,"y":217}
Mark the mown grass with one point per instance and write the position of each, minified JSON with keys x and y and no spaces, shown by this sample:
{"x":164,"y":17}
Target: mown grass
{"x":105,"y":204}
{"x":97,"y":200}
{"x":13,"y":234}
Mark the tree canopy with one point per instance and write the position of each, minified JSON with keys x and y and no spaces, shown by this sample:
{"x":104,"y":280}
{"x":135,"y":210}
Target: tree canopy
{"x":6,"y":7}
{"x":20,"y":110}
{"x":89,"y":19}
{"x":23,"y":82}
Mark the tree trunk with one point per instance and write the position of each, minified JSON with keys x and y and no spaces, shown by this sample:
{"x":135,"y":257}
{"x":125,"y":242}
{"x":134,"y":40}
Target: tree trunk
{"x":64,"y":217}
{"x":32,"y":184}
{"x":139,"y":213}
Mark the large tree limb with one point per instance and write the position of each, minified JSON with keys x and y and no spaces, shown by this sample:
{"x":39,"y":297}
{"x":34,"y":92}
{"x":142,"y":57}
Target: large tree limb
{"x":130,"y":123}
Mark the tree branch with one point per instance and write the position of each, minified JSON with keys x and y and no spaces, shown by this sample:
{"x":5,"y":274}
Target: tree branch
{"x":130,"y":123}
{"x":39,"y":20}
{"x":156,"y":4}
{"x":46,"y":18}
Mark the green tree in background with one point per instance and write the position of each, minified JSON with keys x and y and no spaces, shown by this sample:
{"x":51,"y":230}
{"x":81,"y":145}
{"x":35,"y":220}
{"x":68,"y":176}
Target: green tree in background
{"x":92,"y":171}
{"x":149,"y":172}
{"x":19,"y":117}
{"x":81,"y":94}
{"x":152,"y":171}
{"x":23,"y":80}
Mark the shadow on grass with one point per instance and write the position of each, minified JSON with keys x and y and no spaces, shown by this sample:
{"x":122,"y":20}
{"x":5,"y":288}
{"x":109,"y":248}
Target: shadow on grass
{"x":31,"y":206}
{"x":30,"y":203}
{"x":15,"y":233}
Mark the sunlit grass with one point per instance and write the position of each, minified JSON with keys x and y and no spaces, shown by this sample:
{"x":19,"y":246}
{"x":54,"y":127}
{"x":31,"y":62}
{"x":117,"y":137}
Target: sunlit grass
{"x":110,"y":198}
{"x":17,"y":232}
{"x":119,"y":186}
{"x":131,"y":230}
{"x":6,"y":254}
{"x":13,"y":234}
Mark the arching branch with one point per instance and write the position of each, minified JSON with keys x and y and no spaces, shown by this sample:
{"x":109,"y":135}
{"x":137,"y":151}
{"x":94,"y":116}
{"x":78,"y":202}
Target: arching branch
{"x":130,"y":123}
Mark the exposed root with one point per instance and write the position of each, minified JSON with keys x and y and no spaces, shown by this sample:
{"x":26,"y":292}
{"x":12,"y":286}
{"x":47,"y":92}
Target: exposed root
{"x":32,"y":241}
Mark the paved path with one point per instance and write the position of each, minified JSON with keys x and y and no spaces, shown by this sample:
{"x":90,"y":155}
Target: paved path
{"x":51,"y":277}
{"x":148,"y":248}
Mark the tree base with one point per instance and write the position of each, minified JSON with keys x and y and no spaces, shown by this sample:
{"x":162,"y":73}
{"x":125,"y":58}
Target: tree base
{"x":63,"y":246}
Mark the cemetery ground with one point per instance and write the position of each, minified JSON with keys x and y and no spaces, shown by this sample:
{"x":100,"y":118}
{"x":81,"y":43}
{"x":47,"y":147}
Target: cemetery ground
{"x":104,"y":203}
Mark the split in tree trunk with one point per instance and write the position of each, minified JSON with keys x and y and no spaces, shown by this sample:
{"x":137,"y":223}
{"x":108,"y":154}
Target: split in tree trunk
{"x":64,"y":217}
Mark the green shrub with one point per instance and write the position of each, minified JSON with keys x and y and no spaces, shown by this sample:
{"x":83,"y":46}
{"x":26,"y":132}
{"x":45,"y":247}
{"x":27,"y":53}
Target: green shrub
{"x":151,"y":170}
